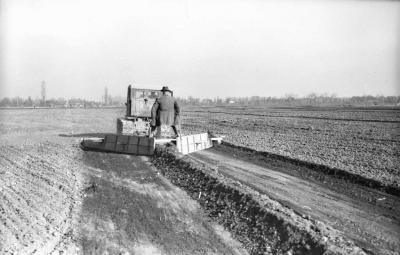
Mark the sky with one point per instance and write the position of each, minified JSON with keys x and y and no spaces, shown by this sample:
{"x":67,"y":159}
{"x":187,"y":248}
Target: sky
{"x":208,"y":48}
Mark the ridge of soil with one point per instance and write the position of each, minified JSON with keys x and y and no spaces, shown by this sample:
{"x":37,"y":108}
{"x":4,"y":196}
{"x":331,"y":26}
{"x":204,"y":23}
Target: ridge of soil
{"x":260,"y":223}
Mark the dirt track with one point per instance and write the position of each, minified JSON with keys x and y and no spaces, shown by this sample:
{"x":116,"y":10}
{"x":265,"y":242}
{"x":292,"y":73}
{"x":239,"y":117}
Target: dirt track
{"x":374,"y":227}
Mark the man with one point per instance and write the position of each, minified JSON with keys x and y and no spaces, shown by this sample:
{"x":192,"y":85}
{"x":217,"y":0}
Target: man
{"x":165,"y":111}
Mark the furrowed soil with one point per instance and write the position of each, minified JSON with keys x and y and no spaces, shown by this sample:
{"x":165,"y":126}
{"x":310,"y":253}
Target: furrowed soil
{"x":56,"y":197}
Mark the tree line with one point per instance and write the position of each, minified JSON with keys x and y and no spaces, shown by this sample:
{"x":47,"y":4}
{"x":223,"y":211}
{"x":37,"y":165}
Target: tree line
{"x":293,"y":100}
{"x":288,"y":100}
{"x":59,"y":102}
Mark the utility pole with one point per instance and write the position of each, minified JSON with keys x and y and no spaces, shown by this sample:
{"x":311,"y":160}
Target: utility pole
{"x":105,"y":96}
{"x":44,"y":93}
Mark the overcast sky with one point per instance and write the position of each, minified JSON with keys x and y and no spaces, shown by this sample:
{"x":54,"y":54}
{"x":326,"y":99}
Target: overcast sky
{"x":204,"y":48}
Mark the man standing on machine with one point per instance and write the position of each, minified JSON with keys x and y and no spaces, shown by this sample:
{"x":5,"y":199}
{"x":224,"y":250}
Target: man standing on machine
{"x":165,"y":111}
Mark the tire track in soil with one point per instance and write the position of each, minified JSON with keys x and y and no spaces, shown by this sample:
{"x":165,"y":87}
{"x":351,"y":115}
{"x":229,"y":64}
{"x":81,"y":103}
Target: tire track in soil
{"x":38,"y":194}
{"x":130,"y":209}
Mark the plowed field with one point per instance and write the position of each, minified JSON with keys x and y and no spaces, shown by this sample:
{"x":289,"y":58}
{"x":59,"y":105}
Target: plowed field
{"x":361,"y":141}
{"x":55,"y":198}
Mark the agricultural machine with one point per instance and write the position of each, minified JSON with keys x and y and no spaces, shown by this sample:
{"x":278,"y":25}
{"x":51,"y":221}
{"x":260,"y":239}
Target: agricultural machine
{"x":134,"y":134}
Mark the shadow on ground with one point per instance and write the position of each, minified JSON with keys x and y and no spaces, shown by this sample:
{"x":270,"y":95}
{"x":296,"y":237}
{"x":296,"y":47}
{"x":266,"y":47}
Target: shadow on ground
{"x":100,"y":135}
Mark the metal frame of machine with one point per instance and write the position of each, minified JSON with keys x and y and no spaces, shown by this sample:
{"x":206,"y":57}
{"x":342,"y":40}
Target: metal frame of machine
{"x":133,"y":131}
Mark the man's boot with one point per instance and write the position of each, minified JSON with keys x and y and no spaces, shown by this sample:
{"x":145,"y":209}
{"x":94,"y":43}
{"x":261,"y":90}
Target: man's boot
{"x":176,"y":131}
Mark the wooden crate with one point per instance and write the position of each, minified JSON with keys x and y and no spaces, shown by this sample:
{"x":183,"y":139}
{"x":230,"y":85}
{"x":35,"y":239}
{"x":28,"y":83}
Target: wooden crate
{"x":136,"y":145}
{"x":191,"y":143}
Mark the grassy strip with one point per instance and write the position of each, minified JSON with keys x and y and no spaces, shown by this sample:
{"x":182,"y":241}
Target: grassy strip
{"x":261,"y":224}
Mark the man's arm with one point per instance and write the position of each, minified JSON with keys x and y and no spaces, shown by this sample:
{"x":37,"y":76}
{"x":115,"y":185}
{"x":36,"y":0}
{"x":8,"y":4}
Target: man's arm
{"x":177,"y":108}
{"x":177,"y":118}
{"x":154,"y":109}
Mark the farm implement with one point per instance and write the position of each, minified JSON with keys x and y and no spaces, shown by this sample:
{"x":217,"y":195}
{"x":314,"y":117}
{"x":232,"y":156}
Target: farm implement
{"x":134,"y":135}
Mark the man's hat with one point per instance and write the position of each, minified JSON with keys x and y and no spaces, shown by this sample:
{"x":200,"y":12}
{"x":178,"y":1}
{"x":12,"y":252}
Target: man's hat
{"x":165,"y":88}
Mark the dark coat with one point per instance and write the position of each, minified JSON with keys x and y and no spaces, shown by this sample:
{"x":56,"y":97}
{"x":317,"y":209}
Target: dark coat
{"x":165,"y":111}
